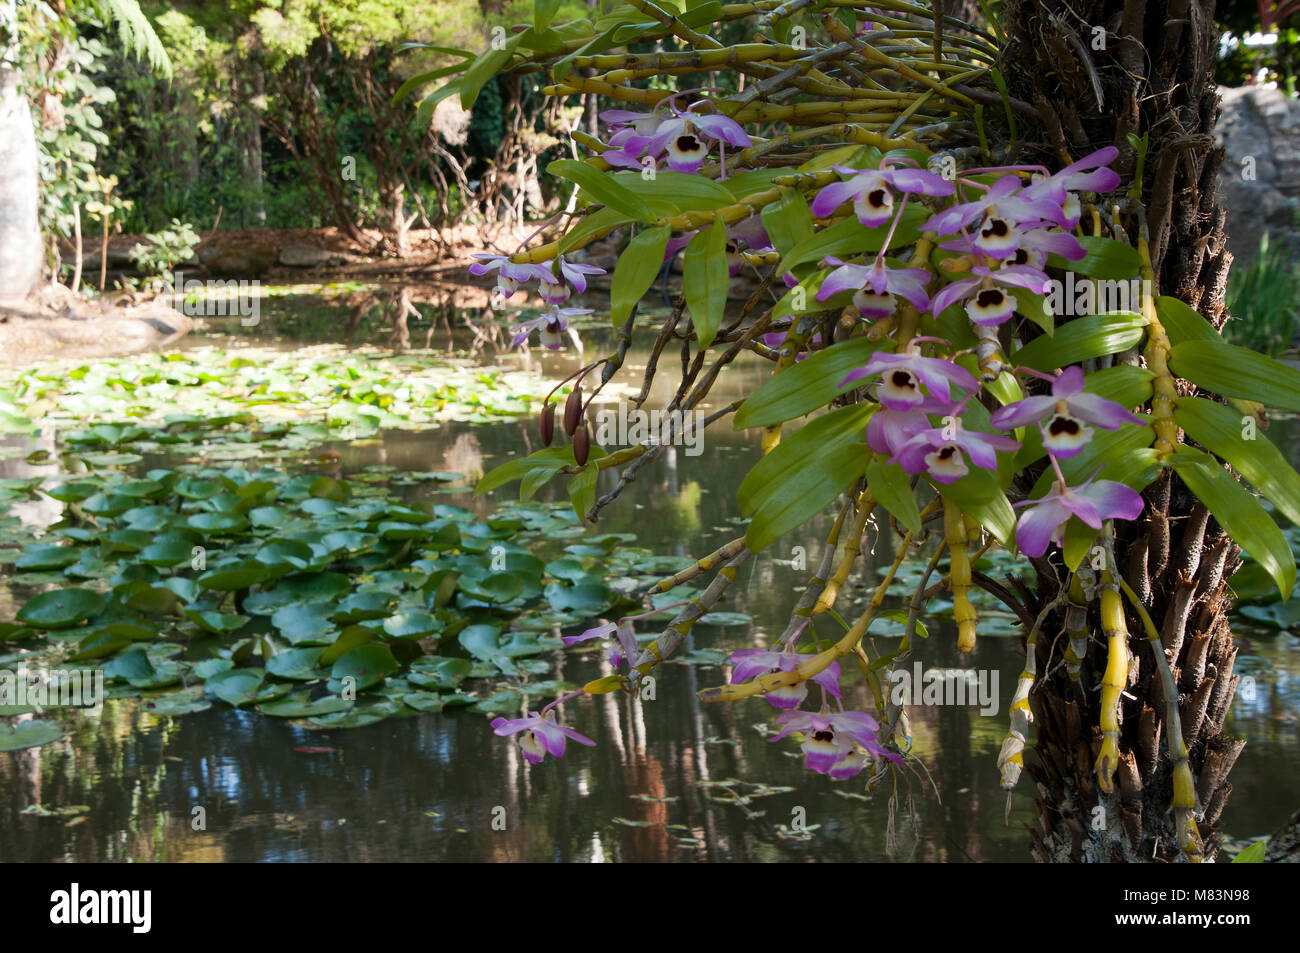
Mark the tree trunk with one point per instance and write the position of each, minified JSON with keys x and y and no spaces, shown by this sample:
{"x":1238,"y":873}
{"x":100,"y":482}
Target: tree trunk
{"x":250,"y":121}
{"x":1096,"y":71}
{"x":20,"y":233}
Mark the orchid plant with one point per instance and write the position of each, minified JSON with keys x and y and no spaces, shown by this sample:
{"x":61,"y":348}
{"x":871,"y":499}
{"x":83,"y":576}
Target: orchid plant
{"x":919,"y":374}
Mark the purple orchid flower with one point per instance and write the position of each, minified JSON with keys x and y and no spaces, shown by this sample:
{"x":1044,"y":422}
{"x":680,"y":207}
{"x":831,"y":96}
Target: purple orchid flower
{"x":1023,"y":244}
{"x":1092,"y":502}
{"x":684,"y":137}
{"x":552,"y":324}
{"x":543,"y":735}
{"x":571,"y":274}
{"x":872,"y":191}
{"x":1089,"y":174}
{"x":626,"y":635}
{"x":1070,"y":410}
{"x":889,"y":430}
{"x":883,"y":281}
{"x":903,"y":374}
{"x":938,"y":451}
{"x":576,"y":274}
{"x":748,"y":234}
{"x":998,"y":203}
{"x":774,"y":339}
{"x":750,"y":663}
{"x":632,"y":131}
{"x":509,"y":274}
{"x":989,"y":305}
{"x":831,"y":741}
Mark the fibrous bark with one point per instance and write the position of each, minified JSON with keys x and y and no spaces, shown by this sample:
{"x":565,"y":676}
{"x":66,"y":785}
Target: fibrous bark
{"x":1098,"y":71}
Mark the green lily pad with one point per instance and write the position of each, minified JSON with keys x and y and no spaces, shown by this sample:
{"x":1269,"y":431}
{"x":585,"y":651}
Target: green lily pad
{"x":216,"y":623}
{"x":60,"y":609}
{"x":28,"y":734}
{"x":234,"y":576}
{"x":412,"y":624}
{"x":300,"y":705}
{"x":363,"y":605}
{"x":297,"y":664}
{"x":367,"y":665}
{"x":44,"y":556}
{"x":305,"y":622}
{"x":217,"y":524}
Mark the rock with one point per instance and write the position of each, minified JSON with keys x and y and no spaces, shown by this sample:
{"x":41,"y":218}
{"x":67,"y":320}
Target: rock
{"x":238,"y":262}
{"x":119,"y":259}
{"x":54,"y":322}
{"x":1259,"y":182}
{"x":309,"y":256}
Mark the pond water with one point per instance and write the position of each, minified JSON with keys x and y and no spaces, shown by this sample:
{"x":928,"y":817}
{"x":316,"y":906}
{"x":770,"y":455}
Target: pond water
{"x":671,"y":779}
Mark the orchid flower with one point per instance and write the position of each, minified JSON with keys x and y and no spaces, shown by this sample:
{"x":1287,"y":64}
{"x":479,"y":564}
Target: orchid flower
{"x":510,"y":274}
{"x":938,"y":451}
{"x":999,"y":203}
{"x":685,"y":139}
{"x":1045,"y":520}
{"x":632,"y":131}
{"x":903,"y":374}
{"x":872,"y":191}
{"x":627,"y":644}
{"x":1068,"y":411}
{"x":889,"y":430}
{"x":775,"y":339}
{"x":883,"y":281}
{"x":831,"y":741}
{"x":543,"y":735}
{"x":989,"y":305}
{"x":747,"y":234}
{"x":750,"y":663}
{"x":1023,"y":244}
{"x":552,"y":323}
{"x":1089,"y":174}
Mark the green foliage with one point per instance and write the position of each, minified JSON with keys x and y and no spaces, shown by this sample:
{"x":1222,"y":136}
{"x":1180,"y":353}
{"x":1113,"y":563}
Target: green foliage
{"x":1264,"y":300}
{"x":163,"y":250}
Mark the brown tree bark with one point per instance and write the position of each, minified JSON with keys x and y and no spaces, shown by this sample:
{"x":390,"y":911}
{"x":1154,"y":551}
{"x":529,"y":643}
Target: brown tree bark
{"x":1095,"y":71}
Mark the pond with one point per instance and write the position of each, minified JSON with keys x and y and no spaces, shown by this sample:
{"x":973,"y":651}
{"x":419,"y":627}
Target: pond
{"x":671,"y":779}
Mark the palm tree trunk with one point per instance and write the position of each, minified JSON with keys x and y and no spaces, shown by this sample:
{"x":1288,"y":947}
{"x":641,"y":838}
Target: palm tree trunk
{"x":1096,"y":71}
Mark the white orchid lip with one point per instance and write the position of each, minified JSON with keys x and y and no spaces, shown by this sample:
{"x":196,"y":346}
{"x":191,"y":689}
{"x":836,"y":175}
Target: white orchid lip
{"x":1065,"y":436}
{"x":876,"y":205}
{"x":990,"y":306}
{"x":872,"y":305}
{"x":1071,"y":210}
{"x":686,"y":150}
{"x":532,"y":747}
{"x":946,"y":462}
{"x":1025,"y":256}
{"x":899,"y":388}
{"x":997,"y":238}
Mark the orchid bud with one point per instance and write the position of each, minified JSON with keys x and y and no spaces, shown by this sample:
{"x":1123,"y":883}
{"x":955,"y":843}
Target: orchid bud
{"x":548,"y":424}
{"x":581,"y":445}
{"x":573,"y":411}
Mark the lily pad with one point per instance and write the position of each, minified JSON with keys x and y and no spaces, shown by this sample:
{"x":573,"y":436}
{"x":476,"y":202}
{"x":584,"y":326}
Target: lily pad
{"x":60,"y":609}
{"x":366,"y":666}
{"x":28,"y":734}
